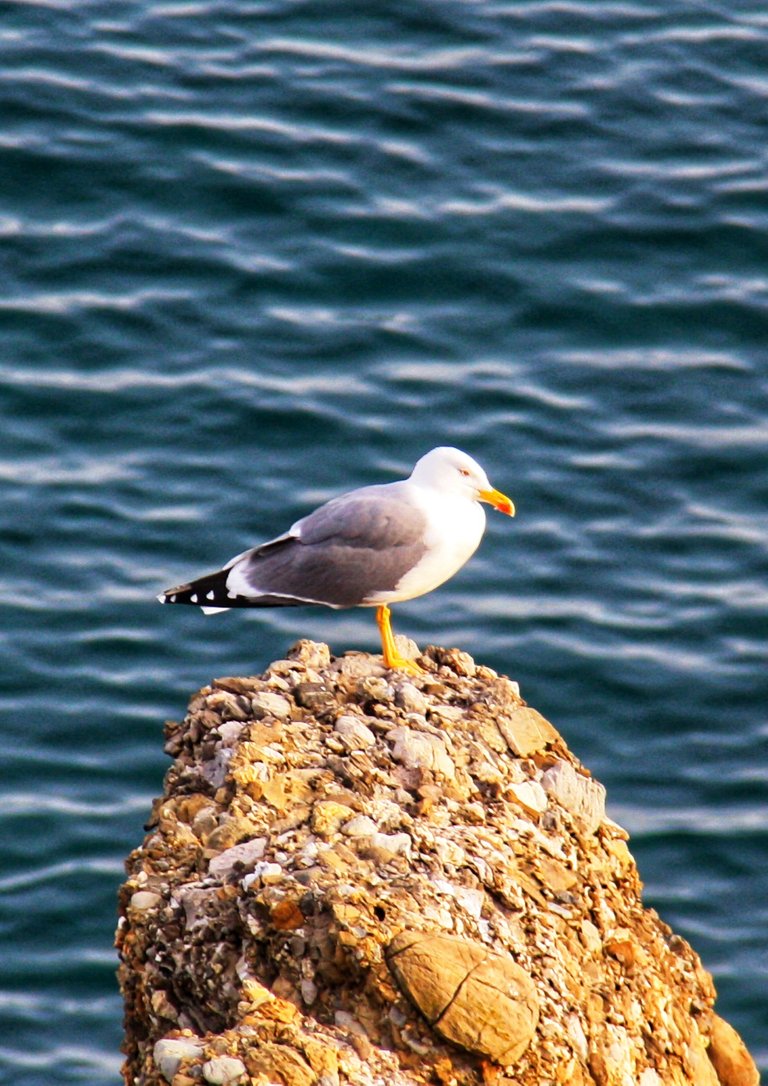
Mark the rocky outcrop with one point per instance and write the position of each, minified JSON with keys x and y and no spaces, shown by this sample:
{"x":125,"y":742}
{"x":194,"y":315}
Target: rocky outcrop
{"x":358,"y":876}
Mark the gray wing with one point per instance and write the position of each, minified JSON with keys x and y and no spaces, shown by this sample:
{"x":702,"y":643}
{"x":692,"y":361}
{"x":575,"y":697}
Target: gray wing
{"x":342,"y":554}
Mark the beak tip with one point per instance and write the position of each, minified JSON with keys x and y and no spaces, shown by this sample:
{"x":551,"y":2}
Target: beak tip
{"x":498,"y":501}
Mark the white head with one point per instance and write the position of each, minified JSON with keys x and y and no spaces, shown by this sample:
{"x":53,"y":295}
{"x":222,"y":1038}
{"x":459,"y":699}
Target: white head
{"x":452,"y":471}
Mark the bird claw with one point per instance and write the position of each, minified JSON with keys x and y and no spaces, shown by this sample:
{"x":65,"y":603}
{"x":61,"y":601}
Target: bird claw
{"x":404,"y":664}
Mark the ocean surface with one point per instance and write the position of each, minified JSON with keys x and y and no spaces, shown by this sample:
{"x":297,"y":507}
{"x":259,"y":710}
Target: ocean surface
{"x":256,"y":253}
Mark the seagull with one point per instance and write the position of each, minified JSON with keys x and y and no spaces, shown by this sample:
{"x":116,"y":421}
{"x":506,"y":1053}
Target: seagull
{"x":368,"y":548}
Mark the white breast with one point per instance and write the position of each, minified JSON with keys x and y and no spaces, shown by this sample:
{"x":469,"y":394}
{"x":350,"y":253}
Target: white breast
{"x":455,"y":527}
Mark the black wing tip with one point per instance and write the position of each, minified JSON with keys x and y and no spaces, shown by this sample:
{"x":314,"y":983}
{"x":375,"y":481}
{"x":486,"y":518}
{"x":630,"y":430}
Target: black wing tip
{"x":208,"y":591}
{"x":180,"y":594}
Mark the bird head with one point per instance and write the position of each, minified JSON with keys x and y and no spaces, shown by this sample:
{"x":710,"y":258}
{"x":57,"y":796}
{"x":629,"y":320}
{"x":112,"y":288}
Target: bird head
{"x":454,"y":472}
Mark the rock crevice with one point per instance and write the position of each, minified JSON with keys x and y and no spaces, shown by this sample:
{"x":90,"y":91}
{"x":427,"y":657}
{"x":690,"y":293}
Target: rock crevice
{"x":357,"y":877}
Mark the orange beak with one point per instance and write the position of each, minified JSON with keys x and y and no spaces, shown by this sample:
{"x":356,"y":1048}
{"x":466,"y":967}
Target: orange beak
{"x":498,"y":501}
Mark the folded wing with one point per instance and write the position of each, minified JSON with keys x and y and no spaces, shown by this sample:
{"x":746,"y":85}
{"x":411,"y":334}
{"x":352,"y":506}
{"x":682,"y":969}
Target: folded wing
{"x":341,"y":555}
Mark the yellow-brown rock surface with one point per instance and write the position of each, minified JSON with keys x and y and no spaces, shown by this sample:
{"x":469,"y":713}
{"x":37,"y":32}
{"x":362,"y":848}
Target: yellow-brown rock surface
{"x":361,"y":877}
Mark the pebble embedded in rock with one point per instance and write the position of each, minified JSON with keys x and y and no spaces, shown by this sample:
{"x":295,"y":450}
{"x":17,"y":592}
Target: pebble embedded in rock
{"x":315,"y":697}
{"x":230,"y":731}
{"x":265,"y":703}
{"x":356,"y":734}
{"x":410,"y":699}
{"x":246,"y":853}
{"x":222,"y":1070}
{"x":145,"y":899}
{"x":215,"y":770}
{"x":263,"y":872}
{"x":421,"y":750}
{"x":388,"y":845}
{"x":360,"y":826}
{"x":169,"y":1052}
{"x":480,"y":1000}
{"x":374,"y":688}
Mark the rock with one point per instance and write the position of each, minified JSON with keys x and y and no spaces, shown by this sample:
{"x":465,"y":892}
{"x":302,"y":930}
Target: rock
{"x":732,"y":1063}
{"x":356,"y":734}
{"x":392,"y":879}
{"x":420,"y":750}
{"x":407,"y":647}
{"x":526,"y":731}
{"x":315,"y":697}
{"x":410,"y":699}
{"x":356,"y":665}
{"x":531,"y":795}
{"x":145,"y":899}
{"x":266,"y":704}
{"x":582,"y":796}
{"x":312,"y":654}
{"x":168,"y":1054}
{"x":374,"y":688}
{"x":387,"y":845}
{"x":280,"y":1065}
{"x":246,"y":854}
{"x":230,"y":731}
{"x":215,"y":769}
{"x":360,"y":826}
{"x":469,"y":994}
{"x":223,"y":1070}
{"x":328,"y":817}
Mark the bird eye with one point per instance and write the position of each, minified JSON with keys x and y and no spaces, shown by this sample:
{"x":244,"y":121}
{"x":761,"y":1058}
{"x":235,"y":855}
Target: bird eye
{"x":464,"y":472}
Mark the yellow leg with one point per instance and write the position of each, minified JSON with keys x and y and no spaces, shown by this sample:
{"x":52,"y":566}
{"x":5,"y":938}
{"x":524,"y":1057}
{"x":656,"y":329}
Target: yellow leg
{"x":392,"y":657}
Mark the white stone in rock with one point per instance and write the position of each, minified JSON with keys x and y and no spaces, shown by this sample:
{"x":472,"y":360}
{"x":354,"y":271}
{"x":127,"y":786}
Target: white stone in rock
{"x":354,"y":732}
{"x":267,"y":872}
{"x":272,"y":754}
{"x":271,"y":705}
{"x":649,"y":1077}
{"x":387,"y":814}
{"x":222,"y":1070}
{"x":619,"y":1057}
{"x":420,"y":750}
{"x":248,"y":852}
{"x":410,"y":699}
{"x":194,"y":898}
{"x":359,"y":826}
{"x":145,"y":899}
{"x":583,"y":796}
{"x":577,"y":1035}
{"x":345,"y":1020}
{"x":230,"y":731}
{"x":450,"y":852}
{"x":396,"y":844}
{"x":530,"y":795}
{"x":215,"y":769}
{"x":169,"y":1052}
{"x":451,"y":713}
{"x":591,"y":937}
{"x":470,"y":900}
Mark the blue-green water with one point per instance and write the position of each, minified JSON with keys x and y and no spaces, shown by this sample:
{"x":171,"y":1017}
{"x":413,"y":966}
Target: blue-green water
{"x":255,"y":253}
